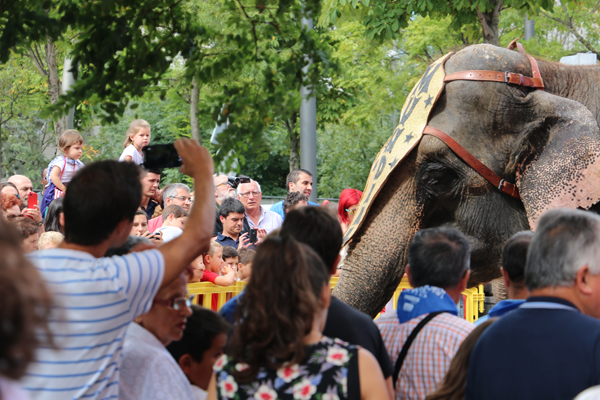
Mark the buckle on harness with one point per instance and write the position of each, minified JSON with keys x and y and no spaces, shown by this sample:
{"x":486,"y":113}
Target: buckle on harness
{"x":500,"y":184}
{"x":506,"y":77}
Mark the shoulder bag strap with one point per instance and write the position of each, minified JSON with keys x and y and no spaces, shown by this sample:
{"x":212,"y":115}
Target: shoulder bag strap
{"x":408,"y":343}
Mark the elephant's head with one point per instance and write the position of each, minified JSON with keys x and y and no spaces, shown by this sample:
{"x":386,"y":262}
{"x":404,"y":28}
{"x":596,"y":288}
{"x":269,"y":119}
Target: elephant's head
{"x":545,"y":143}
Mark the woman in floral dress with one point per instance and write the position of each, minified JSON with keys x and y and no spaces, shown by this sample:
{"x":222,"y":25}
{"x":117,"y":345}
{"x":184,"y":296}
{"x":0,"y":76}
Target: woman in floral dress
{"x":277,"y":350}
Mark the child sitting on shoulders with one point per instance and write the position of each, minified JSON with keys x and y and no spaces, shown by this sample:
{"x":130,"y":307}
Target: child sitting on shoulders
{"x":62,"y":169}
{"x":203,"y":342}
{"x":231,"y":257}
{"x":245,"y":264}
{"x":138,"y":137}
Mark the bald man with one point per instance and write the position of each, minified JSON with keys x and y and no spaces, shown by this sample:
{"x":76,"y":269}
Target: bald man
{"x":23,"y":184}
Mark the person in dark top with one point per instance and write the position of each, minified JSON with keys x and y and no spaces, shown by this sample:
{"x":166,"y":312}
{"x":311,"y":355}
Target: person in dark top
{"x":549,"y":348}
{"x":150,"y":179}
{"x":317,"y":228}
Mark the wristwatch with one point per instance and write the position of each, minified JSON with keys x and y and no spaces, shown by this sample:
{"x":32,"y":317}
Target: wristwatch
{"x":39,"y":223}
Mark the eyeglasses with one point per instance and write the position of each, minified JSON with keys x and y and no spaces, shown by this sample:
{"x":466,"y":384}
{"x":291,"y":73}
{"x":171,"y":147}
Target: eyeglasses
{"x":13,"y":216}
{"x":350,"y":212}
{"x":247,"y":194}
{"x":178,"y":303}
{"x":182,"y":198}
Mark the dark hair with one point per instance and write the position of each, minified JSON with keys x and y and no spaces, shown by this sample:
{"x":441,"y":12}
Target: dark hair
{"x":514,"y":256}
{"x":246,"y":255}
{"x":294,"y":176}
{"x":292,"y":199}
{"x":201,"y":328}
{"x":177,"y":211}
{"x":126,"y":247}
{"x":277,"y":309}
{"x":230,"y":205}
{"x":455,"y":382}
{"x":5,"y":184}
{"x":52,"y":222}
{"x":25,"y":226}
{"x":438,"y":257}
{"x":155,"y":171}
{"x":100,"y":196}
{"x":317,"y":228}
{"x":25,"y":305}
{"x":229,"y":252}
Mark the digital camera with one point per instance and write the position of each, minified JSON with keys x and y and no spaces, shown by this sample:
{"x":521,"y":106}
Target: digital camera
{"x":234,"y":181}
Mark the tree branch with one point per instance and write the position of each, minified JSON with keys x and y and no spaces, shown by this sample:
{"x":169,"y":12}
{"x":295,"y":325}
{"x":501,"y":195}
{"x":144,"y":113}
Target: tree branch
{"x":37,"y":61}
{"x":569,"y":25}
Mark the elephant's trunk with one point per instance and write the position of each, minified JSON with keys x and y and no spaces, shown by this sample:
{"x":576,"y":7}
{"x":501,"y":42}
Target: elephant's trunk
{"x":378,"y":253}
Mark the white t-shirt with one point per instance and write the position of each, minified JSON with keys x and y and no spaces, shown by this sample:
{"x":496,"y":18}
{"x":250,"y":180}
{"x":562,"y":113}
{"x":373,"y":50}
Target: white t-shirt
{"x":95,"y":300}
{"x":132,"y":152}
{"x":148,"y":371}
{"x":169,"y":233}
{"x":199,"y":393}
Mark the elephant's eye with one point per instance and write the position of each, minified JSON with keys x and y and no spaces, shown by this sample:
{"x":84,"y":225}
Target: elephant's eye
{"x":439,"y":179}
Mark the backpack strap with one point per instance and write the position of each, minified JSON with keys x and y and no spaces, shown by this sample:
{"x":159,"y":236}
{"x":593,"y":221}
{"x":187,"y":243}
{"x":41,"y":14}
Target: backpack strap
{"x":408,"y":343}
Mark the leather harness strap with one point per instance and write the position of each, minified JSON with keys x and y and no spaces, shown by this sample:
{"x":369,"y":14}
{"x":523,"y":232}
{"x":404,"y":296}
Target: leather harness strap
{"x":474,"y":163}
{"x":512,"y":78}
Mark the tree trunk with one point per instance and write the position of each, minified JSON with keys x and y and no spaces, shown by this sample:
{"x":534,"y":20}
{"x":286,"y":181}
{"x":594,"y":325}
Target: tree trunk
{"x":60,"y":124}
{"x":294,"y":142}
{"x":489,"y":23}
{"x":194,"y":99}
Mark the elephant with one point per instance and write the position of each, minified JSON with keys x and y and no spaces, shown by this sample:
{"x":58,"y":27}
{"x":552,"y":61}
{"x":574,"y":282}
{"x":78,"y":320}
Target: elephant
{"x":547,"y":142}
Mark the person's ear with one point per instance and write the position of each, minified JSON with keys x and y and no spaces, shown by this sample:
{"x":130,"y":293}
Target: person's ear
{"x":185,"y":363}
{"x":326,"y":296}
{"x":408,"y":275}
{"x":505,"y":277}
{"x":171,"y":217}
{"x":582,"y":280}
{"x":465,"y":280}
{"x":335,"y":264}
{"x":222,"y":219}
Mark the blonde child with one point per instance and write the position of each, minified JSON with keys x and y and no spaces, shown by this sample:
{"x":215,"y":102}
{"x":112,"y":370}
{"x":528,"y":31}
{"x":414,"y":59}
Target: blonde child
{"x":62,"y":169}
{"x":213,"y":264}
{"x":49,"y":240}
{"x":138,"y":137}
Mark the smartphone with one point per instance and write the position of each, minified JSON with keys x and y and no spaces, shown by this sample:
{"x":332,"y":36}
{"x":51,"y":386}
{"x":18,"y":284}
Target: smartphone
{"x":161,"y":156}
{"x":252,"y":235}
{"x":32,"y":200}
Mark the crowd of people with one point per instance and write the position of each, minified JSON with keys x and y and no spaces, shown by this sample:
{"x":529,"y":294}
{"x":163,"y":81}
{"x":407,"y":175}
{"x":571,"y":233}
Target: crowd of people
{"x":94,"y":301}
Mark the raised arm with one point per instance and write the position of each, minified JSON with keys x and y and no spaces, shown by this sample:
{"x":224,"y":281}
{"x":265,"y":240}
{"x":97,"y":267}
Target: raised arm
{"x":195,"y":239}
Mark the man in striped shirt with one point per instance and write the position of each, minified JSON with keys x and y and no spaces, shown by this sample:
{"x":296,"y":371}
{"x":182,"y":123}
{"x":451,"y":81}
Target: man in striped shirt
{"x":439,"y":270}
{"x":95,"y":298}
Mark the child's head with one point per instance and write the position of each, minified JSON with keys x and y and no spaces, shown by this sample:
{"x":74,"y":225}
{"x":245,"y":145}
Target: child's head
{"x":231,"y":257}
{"x":202,"y":344}
{"x":49,"y":240}
{"x":214,"y":258}
{"x":138,"y":134}
{"x":71,"y":144}
{"x":174,"y":216}
{"x":245,"y":264}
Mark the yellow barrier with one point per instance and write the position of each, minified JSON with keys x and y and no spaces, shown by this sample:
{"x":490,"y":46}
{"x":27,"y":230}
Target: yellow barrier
{"x":472,"y":298}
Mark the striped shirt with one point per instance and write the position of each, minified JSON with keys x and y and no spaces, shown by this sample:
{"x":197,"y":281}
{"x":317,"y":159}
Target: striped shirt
{"x":430,"y":354}
{"x":95,"y":300}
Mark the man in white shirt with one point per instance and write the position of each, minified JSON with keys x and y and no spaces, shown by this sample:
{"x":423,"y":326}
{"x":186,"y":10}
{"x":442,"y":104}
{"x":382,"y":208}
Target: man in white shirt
{"x":250,"y":195}
{"x":95,"y":299}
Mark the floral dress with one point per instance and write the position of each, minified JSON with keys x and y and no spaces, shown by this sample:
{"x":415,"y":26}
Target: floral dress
{"x":323,"y":375}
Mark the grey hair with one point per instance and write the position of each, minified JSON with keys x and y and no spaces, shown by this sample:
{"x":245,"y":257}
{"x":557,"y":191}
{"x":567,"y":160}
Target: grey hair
{"x":171,"y":190}
{"x":439,"y":257}
{"x":126,"y":247}
{"x":565,"y":241}
{"x":251,"y":181}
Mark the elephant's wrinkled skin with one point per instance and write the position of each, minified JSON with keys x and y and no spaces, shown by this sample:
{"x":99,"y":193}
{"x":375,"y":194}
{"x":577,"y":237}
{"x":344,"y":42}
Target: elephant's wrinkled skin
{"x":545,"y":143}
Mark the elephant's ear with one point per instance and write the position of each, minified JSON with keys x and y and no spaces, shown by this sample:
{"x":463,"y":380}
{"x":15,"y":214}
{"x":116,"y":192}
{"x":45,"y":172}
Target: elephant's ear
{"x":562,"y":163}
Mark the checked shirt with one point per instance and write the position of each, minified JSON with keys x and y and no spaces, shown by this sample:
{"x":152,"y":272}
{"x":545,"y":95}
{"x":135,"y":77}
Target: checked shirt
{"x":430,"y":354}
